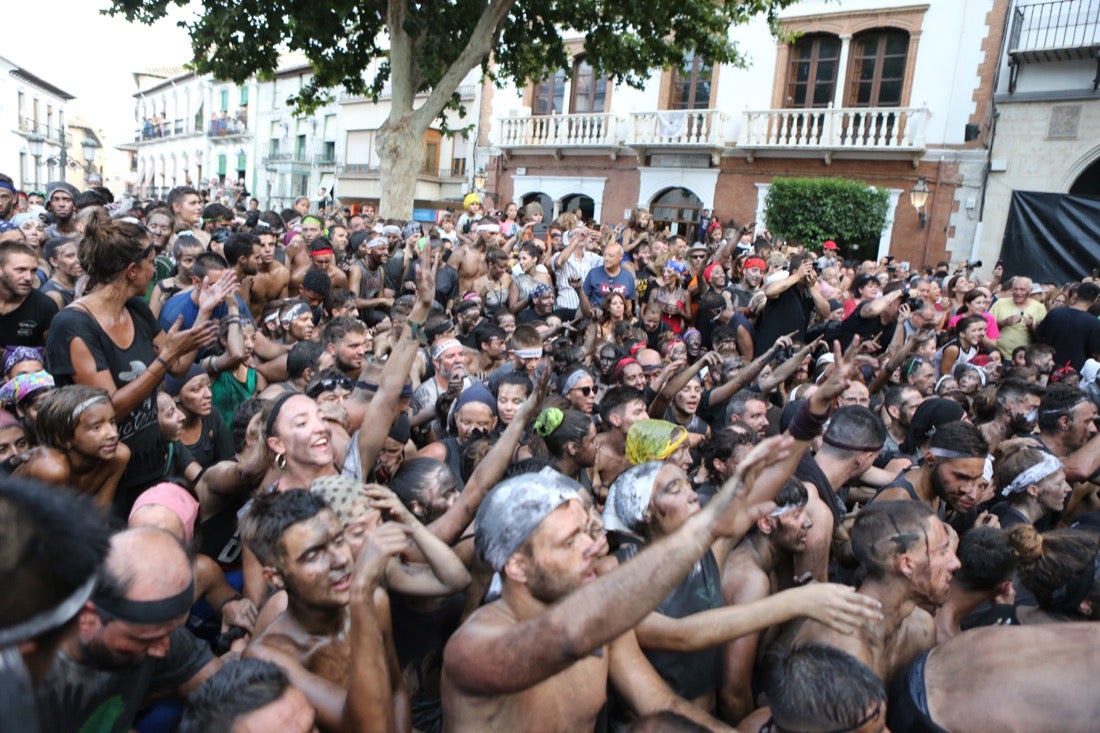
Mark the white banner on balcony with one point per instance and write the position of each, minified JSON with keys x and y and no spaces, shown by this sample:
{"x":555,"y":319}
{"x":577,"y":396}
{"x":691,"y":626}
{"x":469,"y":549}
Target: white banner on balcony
{"x":672,"y":124}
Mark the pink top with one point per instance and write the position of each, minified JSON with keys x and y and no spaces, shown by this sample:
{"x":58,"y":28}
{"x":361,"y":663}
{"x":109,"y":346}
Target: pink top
{"x":991,"y":331}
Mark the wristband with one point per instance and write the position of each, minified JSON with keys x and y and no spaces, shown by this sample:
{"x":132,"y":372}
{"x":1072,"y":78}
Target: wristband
{"x":417,"y":332}
{"x":165,"y":363}
{"x":805,"y":425}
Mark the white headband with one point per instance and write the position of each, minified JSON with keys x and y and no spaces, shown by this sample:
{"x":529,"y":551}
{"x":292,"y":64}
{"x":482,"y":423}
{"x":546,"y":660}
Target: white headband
{"x":528,"y":353}
{"x":494,"y":228}
{"x":443,"y":346}
{"x":1044,"y":468}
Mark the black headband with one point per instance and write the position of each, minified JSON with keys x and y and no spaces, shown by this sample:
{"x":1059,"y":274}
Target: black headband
{"x":845,"y":446}
{"x":147,"y":612}
{"x":269,"y":426}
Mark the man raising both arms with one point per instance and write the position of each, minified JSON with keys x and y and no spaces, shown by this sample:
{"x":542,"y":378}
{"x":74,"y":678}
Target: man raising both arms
{"x":540,"y":657}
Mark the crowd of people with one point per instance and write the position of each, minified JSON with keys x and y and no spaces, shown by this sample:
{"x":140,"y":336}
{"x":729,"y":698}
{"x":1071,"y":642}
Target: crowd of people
{"x":321,"y":469}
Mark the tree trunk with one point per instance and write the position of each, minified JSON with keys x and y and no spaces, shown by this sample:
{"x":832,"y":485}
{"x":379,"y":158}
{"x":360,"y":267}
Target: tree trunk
{"x":401,"y":153}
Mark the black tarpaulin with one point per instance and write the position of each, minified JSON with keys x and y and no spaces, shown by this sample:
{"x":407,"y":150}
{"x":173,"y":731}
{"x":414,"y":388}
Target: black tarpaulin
{"x":1051,"y":237}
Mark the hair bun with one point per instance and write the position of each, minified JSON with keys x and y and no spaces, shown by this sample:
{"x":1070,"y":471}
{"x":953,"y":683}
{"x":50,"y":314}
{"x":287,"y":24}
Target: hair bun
{"x":1027,"y":542}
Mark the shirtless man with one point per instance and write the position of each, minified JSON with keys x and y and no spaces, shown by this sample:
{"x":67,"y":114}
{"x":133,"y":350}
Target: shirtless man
{"x":336,"y":614}
{"x":323,"y":258}
{"x":909,"y":556}
{"x":242,"y":252}
{"x":272,"y":279}
{"x":469,"y":259}
{"x":761,"y":565}
{"x":297,"y":251}
{"x":951,"y":474}
{"x":1002,"y":678}
{"x":540,"y":657}
{"x":620,"y":408}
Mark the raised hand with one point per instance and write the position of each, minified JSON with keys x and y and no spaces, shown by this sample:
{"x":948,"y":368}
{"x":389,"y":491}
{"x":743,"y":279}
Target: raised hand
{"x":737,"y":504}
{"x":385,"y":541}
{"x":387,"y":502}
{"x":213,"y":293}
{"x":177,"y":342}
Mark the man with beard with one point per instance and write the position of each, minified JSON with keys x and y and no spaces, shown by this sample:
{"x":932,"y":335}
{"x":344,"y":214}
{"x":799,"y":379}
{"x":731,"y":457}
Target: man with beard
{"x":1067,"y":429}
{"x":908,"y":555}
{"x":752,"y":275}
{"x":335,"y":635}
{"x":61,"y":202}
{"x":321,"y":257}
{"x":1018,"y":317}
{"x":761,"y":565}
{"x":558,"y":633}
{"x":25,"y":313}
{"x":899,"y":403}
{"x":448,"y":358}
{"x":243,"y":253}
{"x":367,"y":277}
{"x":1017,"y":406}
{"x":950,"y":476}
{"x":271,"y":279}
{"x":8,"y":197}
{"x":346,"y":339}
{"x":541,"y":306}
{"x":130,"y":640}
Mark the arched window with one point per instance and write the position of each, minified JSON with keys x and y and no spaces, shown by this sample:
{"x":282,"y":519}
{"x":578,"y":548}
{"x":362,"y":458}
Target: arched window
{"x":678,"y":209}
{"x":811,"y":76}
{"x":549,"y":96}
{"x":544,"y":201}
{"x":579,"y":201}
{"x":877,"y":68}
{"x":589,"y":91}
{"x":690,"y":85}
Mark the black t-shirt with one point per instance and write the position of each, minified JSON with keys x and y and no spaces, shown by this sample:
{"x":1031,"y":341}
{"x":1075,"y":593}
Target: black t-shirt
{"x":138,"y":430}
{"x":215,"y":443}
{"x":82,"y":697}
{"x":27,"y":324}
{"x":1074,"y":334}
{"x":790,"y":311}
{"x":865,"y":328}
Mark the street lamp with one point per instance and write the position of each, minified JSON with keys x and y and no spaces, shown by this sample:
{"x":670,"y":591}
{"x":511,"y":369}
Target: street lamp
{"x":479,"y":180}
{"x":918,"y":197}
{"x":36,"y":143}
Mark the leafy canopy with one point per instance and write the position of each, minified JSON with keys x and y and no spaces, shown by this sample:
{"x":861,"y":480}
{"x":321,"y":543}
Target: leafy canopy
{"x":811,"y":210}
{"x":625,"y":39}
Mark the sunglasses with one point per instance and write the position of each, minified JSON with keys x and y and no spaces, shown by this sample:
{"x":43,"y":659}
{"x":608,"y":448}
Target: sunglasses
{"x":586,"y":391}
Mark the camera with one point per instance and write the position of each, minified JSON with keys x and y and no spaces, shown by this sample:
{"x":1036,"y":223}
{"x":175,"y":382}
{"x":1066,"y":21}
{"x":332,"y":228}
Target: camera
{"x":974,"y":264}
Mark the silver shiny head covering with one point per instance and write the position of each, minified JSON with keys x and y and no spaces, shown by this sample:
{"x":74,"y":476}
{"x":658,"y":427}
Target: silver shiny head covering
{"x":628,"y":498}
{"x":515,"y":508}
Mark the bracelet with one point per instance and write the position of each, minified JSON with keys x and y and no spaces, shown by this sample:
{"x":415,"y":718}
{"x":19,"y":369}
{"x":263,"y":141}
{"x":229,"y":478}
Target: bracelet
{"x":805,"y":425}
{"x":164,"y":362}
{"x":416,"y":331}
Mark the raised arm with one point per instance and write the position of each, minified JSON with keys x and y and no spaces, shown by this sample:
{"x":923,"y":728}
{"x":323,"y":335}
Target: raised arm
{"x":384,"y":405}
{"x":492,"y":658}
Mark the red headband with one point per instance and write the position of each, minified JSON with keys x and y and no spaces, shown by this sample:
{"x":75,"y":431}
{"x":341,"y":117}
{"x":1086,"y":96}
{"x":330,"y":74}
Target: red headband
{"x":320,"y":252}
{"x":754,"y":262}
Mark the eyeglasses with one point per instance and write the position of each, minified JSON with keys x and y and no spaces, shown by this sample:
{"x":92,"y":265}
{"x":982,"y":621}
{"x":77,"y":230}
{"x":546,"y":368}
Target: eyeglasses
{"x":586,"y":391}
{"x":698,"y":256}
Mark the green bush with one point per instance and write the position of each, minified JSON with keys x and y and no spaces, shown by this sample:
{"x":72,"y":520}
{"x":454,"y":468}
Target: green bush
{"x":811,"y":210}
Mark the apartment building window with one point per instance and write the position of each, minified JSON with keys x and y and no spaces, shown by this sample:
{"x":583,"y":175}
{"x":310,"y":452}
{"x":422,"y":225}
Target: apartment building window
{"x":300,"y":148}
{"x":432,"y":140}
{"x":691,"y":84}
{"x":877,"y":71}
{"x":589,"y":91}
{"x":549,"y":95}
{"x":811,"y":78}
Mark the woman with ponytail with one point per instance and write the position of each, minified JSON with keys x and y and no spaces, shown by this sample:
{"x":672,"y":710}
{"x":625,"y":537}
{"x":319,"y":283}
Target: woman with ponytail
{"x":1061,"y":569}
{"x":109,"y":339}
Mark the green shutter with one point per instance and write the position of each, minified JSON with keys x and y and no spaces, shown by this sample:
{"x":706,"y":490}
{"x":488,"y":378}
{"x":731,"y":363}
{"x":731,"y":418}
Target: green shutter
{"x":221,"y":165}
{"x":241,"y":159}
{"x":244,"y":96}
{"x":225,"y":100}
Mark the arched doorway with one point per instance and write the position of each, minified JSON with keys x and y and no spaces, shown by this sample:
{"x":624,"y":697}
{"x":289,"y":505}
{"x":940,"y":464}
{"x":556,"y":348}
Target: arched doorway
{"x":1088,"y":183}
{"x":544,"y":201}
{"x":579,"y":201}
{"x":678,"y":210}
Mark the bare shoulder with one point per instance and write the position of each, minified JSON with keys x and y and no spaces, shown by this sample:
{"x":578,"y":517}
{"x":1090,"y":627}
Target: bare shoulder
{"x":48,"y":465}
{"x":742,"y":579}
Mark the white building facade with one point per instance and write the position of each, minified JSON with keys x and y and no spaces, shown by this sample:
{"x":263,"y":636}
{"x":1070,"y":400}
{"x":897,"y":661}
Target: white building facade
{"x":34,"y":110}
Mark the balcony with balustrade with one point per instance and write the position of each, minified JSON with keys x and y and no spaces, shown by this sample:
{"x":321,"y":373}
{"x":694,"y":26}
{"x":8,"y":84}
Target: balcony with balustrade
{"x":556,"y":134}
{"x":1062,"y":30}
{"x":851,"y":132}
{"x":678,"y":131}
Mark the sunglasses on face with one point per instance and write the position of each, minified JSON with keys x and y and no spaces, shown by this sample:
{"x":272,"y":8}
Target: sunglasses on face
{"x":586,"y":391}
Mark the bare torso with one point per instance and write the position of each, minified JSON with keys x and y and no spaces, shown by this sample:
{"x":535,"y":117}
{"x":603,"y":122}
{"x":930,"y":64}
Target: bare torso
{"x":567,"y":702}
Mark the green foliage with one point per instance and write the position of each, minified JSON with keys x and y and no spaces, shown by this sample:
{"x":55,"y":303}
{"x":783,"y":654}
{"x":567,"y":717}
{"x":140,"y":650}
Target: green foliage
{"x":811,"y":210}
{"x":234,"y":39}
